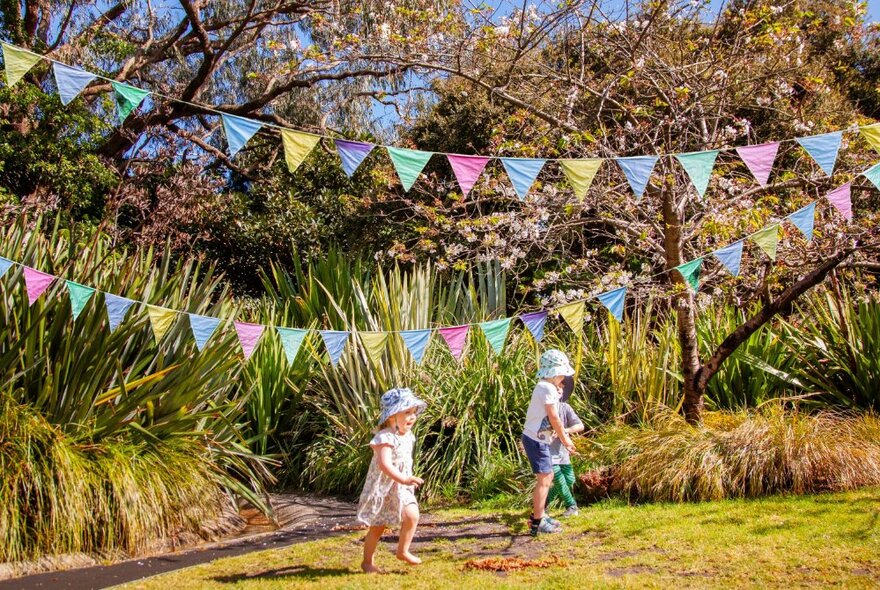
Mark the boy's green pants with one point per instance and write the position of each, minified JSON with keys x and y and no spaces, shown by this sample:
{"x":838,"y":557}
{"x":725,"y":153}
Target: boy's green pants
{"x":563,"y":484}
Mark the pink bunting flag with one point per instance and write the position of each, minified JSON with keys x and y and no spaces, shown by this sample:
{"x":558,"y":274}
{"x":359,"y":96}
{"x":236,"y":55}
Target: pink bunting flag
{"x":249,"y":336}
{"x":455,"y":338}
{"x":842,"y":200}
{"x":759,"y":158}
{"x":37,"y":282}
{"x":467,"y":170}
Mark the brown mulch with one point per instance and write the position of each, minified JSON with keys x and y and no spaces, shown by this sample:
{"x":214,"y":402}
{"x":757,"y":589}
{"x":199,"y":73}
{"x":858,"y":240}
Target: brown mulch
{"x":513,"y":564}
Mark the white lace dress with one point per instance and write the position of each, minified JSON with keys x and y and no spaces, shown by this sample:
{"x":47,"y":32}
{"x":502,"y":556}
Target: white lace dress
{"x":383,"y":499}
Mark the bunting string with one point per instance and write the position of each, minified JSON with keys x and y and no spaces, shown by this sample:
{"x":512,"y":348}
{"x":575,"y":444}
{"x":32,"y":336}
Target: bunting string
{"x":375,"y":342}
{"x":467,"y":169}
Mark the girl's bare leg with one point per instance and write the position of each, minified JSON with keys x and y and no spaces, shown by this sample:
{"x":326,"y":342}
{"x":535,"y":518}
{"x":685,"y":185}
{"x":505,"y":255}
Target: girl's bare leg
{"x":371,"y":541}
{"x":409,"y":521}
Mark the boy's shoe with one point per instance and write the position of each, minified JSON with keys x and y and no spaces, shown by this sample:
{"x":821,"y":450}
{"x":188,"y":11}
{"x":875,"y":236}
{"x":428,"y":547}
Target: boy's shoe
{"x":570,"y":511}
{"x":544,"y":526}
{"x":553,"y":521}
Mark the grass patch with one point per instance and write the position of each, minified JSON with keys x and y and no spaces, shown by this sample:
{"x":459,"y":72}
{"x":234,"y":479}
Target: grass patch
{"x":829,"y":540}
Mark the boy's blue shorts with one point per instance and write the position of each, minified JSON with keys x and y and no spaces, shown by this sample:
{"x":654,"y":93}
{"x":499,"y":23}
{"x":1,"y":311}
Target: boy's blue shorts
{"x":539,"y":455}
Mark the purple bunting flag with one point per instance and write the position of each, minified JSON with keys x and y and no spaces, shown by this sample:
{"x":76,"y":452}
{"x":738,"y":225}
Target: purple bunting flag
{"x":467,"y":170}
{"x":352,"y":154}
{"x":249,"y":336}
{"x":759,"y":159}
{"x":36,"y":282}
{"x":842,"y":200}
{"x":535,"y":322}
{"x":455,"y":338}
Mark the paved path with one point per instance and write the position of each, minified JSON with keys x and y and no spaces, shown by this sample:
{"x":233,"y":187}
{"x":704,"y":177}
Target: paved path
{"x":302,"y":518}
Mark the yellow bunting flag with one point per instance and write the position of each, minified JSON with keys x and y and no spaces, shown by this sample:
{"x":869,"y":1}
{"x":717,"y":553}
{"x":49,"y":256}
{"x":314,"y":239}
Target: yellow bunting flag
{"x":18,"y":62}
{"x":573,"y":313}
{"x":580,"y":174}
{"x":297,"y":145}
{"x":161,"y":320}
{"x":871,"y":133}
{"x":374,"y":344}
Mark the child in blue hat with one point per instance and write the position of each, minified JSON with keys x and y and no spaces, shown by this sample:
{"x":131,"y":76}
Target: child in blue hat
{"x":388,"y":498}
{"x":542,"y":424}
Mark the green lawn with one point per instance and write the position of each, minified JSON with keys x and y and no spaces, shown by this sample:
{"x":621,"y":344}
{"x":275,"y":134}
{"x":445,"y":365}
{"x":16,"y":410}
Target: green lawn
{"x":784,"y":542}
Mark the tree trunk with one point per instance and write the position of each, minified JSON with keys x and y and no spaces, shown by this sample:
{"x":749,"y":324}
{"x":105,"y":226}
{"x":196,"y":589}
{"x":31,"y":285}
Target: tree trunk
{"x":685,"y":306}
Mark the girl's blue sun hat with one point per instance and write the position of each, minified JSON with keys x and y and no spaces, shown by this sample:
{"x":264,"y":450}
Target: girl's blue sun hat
{"x":399,"y":399}
{"x":554,"y":363}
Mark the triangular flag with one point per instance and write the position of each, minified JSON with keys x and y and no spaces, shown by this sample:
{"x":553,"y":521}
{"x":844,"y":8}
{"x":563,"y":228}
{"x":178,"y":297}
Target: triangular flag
{"x":17,"y":62}
{"x":842,"y":200}
{"x":291,"y":340}
{"x":297,"y":145}
{"x":690,"y":271}
{"x":767,"y":239}
{"x":416,"y":342}
{"x":352,"y":154}
{"x":117,"y":307}
{"x":334,"y":341}
{"x":614,"y":300}
{"x":161,"y":319}
{"x":573,"y":313}
{"x":455,"y":338}
{"x":522,"y":173}
{"x":408,"y":164}
{"x":580,"y":173}
{"x":731,"y":257}
{"x":4,"y":265}
{"x":803,"y":219}
{"x":873,"y":174}
{"x":70,"y":81}
{"x":496,"y":333}
{"x":698,"y":166}
{"x":79,"y":296}
{"x":374,"y":344}
{"x":638,"y":172}
{"x":823,"y":149}
{"x":239,"y":131}
{"x":759,"y":159}
{"x":535,"y":322}
{"x":203,"y":327}
{"x":249,"y":336}
{"x":871,"y":133}
{"x":127,"y":98}
{"x":36,"y":282}
{"x":467,"y":170}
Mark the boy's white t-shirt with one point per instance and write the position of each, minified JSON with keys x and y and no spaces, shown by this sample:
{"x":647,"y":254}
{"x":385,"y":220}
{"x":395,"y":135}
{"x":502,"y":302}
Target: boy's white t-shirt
{"x":537,"y":423}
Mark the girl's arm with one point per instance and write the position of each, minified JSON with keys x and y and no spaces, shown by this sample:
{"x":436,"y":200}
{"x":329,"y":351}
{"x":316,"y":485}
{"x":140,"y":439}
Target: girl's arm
{"x":383,"y":458}
{"x":556,"y":423}
{"x":579,"y":427}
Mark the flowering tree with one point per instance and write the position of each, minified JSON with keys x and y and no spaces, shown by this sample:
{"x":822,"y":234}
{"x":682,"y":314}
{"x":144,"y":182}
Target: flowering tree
{"x":665,"y":79}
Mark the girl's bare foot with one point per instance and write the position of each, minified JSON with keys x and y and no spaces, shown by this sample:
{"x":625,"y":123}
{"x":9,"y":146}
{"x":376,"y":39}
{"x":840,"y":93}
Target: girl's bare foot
{"x":409,"y":558}
{"x":369,"y":568}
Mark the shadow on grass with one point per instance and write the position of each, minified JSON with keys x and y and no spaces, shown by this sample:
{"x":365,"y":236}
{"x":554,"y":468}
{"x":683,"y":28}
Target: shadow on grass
{"x":292,"y":573}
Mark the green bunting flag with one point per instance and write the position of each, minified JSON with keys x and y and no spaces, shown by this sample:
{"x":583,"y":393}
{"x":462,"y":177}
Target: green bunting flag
{"x":496,"y":333}
{"x":767,"y":239}
{"x":698,"y":166}
{"x":374,"y":344}
{"x":297,"y":146}
{"x":18,"y":62}
{"x":161,"y":320}
{"x":690,"y":271}
{"x":573,"y":314}
{"x":580,"y":173}
{"x":408,"y":164}
{"x":79,"y":296}
{"x":127,"y":98}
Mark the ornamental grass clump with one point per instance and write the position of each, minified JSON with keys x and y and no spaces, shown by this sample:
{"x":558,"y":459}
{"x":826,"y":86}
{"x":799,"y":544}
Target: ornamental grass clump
{"x":746,"y":454}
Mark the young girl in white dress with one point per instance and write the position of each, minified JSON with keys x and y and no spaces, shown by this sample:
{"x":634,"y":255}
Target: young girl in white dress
{"x":388,"y":498}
